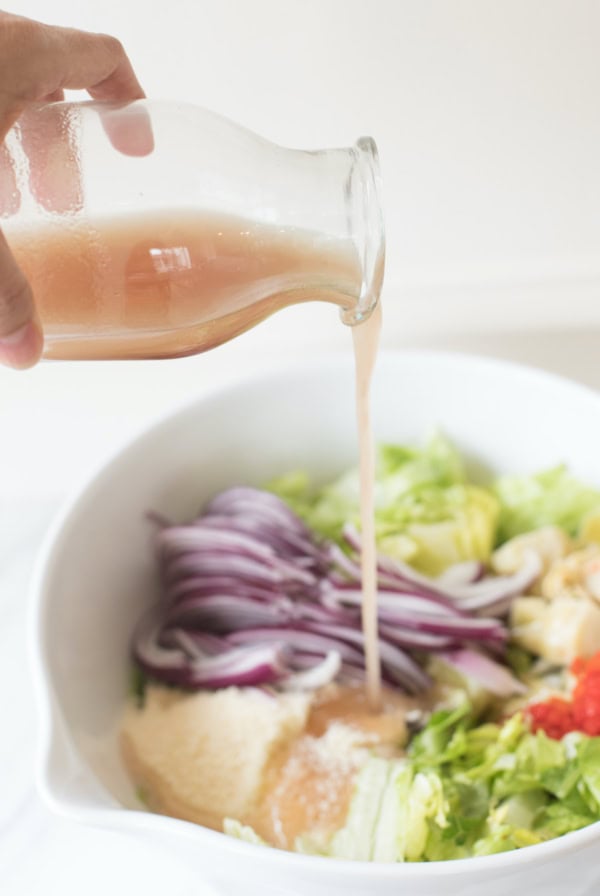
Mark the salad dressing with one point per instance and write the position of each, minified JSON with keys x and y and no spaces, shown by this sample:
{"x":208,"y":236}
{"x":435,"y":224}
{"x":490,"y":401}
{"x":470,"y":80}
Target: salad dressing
{"x":309,"y":781}
{"x":366,"y":342}
{"x":172,"y":282}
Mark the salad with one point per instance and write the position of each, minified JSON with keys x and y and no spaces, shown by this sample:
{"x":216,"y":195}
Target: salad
{"x":247,"y":711}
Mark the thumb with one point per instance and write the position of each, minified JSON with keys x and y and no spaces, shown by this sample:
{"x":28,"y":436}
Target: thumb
{"x":21,"y":339}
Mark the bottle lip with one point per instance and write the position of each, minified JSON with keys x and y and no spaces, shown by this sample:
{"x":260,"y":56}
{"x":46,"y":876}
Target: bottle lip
{"x":363,"y":196}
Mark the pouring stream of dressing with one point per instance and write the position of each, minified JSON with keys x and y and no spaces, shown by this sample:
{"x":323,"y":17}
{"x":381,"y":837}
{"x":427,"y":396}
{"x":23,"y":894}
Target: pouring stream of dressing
{"x":366,"y":341}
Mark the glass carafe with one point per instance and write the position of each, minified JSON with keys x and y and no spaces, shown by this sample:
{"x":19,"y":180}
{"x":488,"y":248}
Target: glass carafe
{"x":159,"y":229}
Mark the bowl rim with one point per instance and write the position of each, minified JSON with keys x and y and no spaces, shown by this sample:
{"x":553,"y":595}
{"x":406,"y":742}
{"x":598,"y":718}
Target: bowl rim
{"x":50,"y":719}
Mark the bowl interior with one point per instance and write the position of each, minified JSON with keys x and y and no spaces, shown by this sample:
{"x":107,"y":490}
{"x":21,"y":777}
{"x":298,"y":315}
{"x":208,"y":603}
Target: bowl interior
{"x":97,"y":572}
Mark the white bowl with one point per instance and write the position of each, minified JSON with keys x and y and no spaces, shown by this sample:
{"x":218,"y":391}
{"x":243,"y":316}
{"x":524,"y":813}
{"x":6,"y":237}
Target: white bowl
{"x":96,"y":574}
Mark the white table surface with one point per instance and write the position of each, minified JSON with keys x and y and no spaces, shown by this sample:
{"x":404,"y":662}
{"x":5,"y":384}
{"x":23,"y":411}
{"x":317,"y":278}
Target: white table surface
{"x":60,"y":420}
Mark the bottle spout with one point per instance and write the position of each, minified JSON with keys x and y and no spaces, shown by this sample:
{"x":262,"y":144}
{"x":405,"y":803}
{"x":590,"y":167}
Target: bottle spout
{"x":366,"y":226}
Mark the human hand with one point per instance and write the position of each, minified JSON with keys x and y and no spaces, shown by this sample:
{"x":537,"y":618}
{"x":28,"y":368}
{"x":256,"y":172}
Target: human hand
{"x":37,"y":63}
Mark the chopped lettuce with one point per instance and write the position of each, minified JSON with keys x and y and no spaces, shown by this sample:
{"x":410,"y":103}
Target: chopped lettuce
{"x":470,"y":790}
{"x":390,"y":812}
{"x":137,"y":684}
{"x":235,"y":828}
{"x":426,"y":512}
{"x":142,"y":794}
{"x":356,"y":839}
{"x":552,"y":497}
{"x":392,"y":826}
{"x":427,"y":807}
{"x":429,"y":514}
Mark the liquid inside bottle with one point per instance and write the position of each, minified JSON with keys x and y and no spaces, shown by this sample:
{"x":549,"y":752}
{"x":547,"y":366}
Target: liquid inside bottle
{"x":158,"y":230}
{"x":173,"y":282}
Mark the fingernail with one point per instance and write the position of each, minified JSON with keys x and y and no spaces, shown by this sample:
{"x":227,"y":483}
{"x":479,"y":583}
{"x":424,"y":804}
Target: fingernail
{"x":22,"y":348}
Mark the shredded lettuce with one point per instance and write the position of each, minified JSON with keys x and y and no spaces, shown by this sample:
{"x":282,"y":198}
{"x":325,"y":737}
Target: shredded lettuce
{"x":468,"y":789}
{"x":552,"y":497}
{"x":235,"y":828}
{"x":137,"y":684}
{"x":355,"y":840}
{"x":393,"y":824}
{"x":429,"y":514}
{"x":426,"y":512}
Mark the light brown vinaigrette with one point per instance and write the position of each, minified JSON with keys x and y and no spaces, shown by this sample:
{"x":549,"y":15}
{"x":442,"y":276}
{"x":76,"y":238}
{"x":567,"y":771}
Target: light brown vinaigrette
{"x":309,"y":782}
{"x":171,"y":283}
{"x":366,"y":343}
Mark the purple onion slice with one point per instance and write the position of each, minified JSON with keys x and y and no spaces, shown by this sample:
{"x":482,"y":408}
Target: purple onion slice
{"x":492,"y":676}
{"x":315,"y":676}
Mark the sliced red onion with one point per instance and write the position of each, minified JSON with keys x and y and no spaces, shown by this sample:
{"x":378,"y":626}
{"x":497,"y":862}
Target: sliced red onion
{"x":249,"y":570}
{"x":404,"y":670}
{"x":464,"y":629}
{"x":324,"y":613}
{"x":497,"y":593}
{"x":396,"y":576}
{"x":241,"y":500}
{"x":194,"y":643}
{"x":176,"y":540}
{"x":197,"y":564}
{"x":177,"y":637}
{"x":316,"y":673}
{"x":285,"y":541}
{"x":260,"y":664}
{"x":250,"y":665}
{"x":250,"y":597}
{"x":275,"y":569}
{"x":343,"y":562}
{"x":303,"y":640}
{"x":222,"y":613}
{"x":416,"y":640}
{"x":393,"y":601}
{"x":492,"y":676}
{"x":199,"y":585}
{"x":476,"y":595}
{"x":147,"y":649}
{"x":316,"y":676}
{"x":412,"y":611}
{"x":462,"y":573}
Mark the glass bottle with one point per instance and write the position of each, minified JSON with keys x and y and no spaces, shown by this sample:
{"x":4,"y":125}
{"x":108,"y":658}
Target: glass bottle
{"x":157,"y":229}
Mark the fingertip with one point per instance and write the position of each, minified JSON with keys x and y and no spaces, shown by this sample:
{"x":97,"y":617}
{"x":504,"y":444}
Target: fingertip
{"x":22,"y":348}
{"x":57,"y":96}
{"x":129,"y":129}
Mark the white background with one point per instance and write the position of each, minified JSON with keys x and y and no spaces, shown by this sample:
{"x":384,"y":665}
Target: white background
{"x":487,"y":115}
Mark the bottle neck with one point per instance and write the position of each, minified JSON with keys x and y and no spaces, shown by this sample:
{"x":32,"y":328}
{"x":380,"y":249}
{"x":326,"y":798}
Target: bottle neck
{"x":366,"y":226}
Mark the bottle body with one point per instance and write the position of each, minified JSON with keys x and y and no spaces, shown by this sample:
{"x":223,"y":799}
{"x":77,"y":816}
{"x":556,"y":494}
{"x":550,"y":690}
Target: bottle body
{"x":158,"y":230}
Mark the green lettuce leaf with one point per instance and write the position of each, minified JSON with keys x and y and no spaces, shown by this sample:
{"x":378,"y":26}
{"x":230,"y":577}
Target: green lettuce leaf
{"x":561,"y":818}
{"x":426,"y":513}
{"x":427,"y":806}
{"x":389,"y":838}
{"x":390,"y":812}
{"x":235,"y":828}
{"x":552,"y":497}
{"x":588,"y":759}
{"x":356,"y":839}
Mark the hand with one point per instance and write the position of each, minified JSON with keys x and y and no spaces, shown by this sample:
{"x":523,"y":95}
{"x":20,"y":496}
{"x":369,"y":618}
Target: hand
{"x":37,"y":63}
